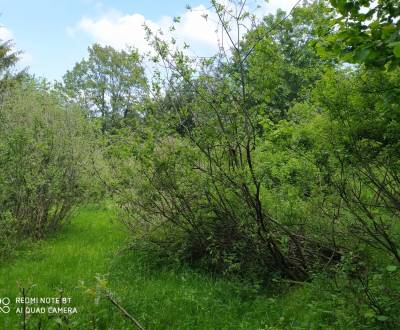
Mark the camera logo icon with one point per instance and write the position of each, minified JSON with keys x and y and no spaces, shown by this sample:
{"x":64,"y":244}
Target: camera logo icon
{"x":5,"y":305}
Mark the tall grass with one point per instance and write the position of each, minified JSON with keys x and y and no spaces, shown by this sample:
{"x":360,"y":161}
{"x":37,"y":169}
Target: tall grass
{"x":159,"y":296}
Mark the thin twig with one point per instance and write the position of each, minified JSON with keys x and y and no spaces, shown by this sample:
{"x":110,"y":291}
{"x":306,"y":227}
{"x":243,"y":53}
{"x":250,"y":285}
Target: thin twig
{"x":124,"y":311}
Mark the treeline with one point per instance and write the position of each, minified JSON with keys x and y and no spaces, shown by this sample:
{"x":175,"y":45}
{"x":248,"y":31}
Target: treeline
{"x":277,"y":158}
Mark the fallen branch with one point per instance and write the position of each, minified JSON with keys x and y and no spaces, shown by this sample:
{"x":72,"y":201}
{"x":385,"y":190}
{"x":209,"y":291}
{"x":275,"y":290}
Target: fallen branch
{"x":124,"y":311}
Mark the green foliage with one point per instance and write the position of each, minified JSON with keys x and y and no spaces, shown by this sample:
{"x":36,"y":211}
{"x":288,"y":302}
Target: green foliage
{"x":44,"y":153}
{"x":363,"y":144}
{"x":205,"y":182}
{"x":8,"y":60}
{"x":271,"y":163}
{"x":365,"y":32}
{"x":109,"y":84}
{"x":274,"y":162}
{"x":284,"y":65}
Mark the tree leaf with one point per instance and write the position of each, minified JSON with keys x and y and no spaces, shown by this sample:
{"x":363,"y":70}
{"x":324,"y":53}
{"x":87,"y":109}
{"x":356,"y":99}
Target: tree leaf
{"x":382,"y":318}
{"x":396,"y":51}
{"x":391,"y":268}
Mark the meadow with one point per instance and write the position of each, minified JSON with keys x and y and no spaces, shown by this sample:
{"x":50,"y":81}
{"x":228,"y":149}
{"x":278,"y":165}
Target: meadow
{"x":93,"y":247}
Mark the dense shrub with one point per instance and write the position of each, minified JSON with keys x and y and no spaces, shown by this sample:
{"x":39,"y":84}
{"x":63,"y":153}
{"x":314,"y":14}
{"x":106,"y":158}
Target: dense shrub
{"x":219,"y":177}
{"x":212,"y":181}
{"x":43,"y":156}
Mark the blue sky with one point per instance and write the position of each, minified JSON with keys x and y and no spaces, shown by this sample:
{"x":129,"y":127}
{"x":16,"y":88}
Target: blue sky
{"x":55,"y":34}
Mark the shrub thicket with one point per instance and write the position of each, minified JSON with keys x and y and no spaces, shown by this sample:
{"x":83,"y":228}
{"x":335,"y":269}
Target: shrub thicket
{"x":43,"y":158}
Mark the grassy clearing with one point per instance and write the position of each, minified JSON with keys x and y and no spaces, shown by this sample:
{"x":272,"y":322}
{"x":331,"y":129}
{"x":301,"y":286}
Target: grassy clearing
{"x":77,"y":253}
{"x":161,"y":297}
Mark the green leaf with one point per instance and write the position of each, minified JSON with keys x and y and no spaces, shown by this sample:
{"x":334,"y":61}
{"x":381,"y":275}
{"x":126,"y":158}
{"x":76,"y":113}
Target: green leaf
{"x":396,"y":51}
{"x":363,"y":54}
{"x":391,"y":268}
{"x":369,"y":314}
{"x":382,"y":318}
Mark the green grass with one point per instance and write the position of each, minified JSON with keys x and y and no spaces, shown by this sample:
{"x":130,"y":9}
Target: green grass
{"x":160,"y":297}
{"x":80,"y":251}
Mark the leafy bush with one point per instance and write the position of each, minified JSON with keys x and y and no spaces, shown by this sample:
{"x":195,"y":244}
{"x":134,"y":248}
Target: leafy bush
{"x":43,"y":158}
{"x":221,"y":178}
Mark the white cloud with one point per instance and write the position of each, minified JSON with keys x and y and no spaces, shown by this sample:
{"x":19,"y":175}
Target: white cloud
{"x":120,"y":30}
{"x":5,"y":33}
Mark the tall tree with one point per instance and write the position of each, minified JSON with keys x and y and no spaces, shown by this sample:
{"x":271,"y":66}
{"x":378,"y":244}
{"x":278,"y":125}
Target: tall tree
{"x":282,"y":62}
{"x":109,"y":83}
{"x":8,"y":59}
